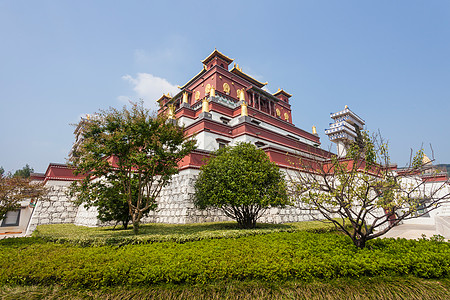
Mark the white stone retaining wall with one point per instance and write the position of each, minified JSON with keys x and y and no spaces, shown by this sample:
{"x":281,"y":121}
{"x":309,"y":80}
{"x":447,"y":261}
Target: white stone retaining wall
{"x":56,"y":208}
{"x":175,"y":206}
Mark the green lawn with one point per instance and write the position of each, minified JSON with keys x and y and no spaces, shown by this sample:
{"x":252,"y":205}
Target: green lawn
{"x":158,"y":232}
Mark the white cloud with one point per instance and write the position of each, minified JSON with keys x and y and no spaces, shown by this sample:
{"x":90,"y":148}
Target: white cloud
{"x":150,"y":88}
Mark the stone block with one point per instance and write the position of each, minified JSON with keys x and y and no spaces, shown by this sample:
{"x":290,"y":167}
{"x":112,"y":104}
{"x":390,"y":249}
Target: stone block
{"x":45,"y":204}
{"x":44,"y":221}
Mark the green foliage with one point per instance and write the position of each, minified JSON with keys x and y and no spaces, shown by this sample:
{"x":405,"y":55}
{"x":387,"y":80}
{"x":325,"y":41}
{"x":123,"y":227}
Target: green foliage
{"x":363,"y":192}
{"x":2,"y":171}
{"x":242,"y":182}
{"x":153,"y":233}
{"x":24,"y":172}
{"x":130,"y":152}
{"x":14,"y":189}
{"x":273,"y":257}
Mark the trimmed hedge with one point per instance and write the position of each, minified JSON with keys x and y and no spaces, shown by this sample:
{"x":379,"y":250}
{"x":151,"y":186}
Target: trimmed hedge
{"x":272,"y":258}
{"x":155,"y":233}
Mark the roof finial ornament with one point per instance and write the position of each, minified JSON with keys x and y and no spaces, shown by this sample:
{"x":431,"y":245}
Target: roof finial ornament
{"x":314,"y":130}
{"x":346,"y":107}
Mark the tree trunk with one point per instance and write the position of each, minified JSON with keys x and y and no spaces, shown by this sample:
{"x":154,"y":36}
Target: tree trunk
{"x":360,"y":242}
{"x":248,"y":221}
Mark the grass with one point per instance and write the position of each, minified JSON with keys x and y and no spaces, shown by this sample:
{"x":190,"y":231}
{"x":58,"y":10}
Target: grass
{"x":364,"y":288}
{"x":155,"y":232}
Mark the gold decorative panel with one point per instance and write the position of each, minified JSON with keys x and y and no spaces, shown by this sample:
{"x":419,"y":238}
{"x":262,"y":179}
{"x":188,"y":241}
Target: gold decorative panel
{"x":226,"y":88}
{"x":207,"y":89}
{"x":197,"y":95}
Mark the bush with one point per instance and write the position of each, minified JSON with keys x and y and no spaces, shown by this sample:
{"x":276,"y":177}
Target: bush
{"x":270,"y":258}
{"x":242,"y":182}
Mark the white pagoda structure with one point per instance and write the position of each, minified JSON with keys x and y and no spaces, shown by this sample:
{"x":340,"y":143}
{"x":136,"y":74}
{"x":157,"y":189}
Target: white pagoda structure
{"x":344,"y":129}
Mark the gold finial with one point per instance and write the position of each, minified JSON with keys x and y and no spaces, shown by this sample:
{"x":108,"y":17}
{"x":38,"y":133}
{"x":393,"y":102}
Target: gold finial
{"x":244,"y":110}
{"x":185,"y":97}
{"x":426,"y":160}
{"x":314,"y":130}
{"x":205,"y":105}
{"x":212,"y":92}
{"x":279,"y":89}
{"x":170,"y":111}
{"x":346,"y":107}
{"x":241,"y":95}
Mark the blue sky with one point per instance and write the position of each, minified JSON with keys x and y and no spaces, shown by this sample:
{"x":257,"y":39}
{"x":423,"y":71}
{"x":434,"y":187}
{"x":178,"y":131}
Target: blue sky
{"x":389,"y":61}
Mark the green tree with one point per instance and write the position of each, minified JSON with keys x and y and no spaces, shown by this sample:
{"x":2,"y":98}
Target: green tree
{"x":2,"y":171}
{"x":242,"y":182}
{"x":24,"y":172}
{"x":361,"y":195}
{"x":15,"y":189}
{"x":108,"y":198}
{"x":133,"y":151}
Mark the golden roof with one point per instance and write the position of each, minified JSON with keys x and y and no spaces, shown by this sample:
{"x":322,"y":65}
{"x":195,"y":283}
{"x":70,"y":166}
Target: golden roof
{"x":193,"y":78}
{"x":281,"y":91}
{"x":217,"y":53}
{"x":425,"y":159}
{"x":164,"y":96}
{"x":238,"y":71}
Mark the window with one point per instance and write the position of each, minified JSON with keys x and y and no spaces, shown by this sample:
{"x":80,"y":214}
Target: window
{"x":11,"y":218}
{"x":222,"y":143}
{"x":224,"y":120}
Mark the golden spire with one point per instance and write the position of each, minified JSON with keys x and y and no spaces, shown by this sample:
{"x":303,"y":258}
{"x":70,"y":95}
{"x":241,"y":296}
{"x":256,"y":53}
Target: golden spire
{"x":241,"y":95}
{"x":244,"y":110}
{"x":212,"y":92}
{"x":170,"y":111}
{"x":185,"y":97}
{"x":314,"y":130}
{"x":205,"y":105}
{"x":346,"y":107}
{"x":426,"y":160}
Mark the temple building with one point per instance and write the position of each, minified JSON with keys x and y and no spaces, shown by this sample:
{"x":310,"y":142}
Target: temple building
{"x":222,"y":106}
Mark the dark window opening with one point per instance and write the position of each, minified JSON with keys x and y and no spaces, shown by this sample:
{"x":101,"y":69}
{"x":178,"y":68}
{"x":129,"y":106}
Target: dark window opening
{"x":224,"y":120}
{"x":259,"y":144}
{"x":12,"y":218}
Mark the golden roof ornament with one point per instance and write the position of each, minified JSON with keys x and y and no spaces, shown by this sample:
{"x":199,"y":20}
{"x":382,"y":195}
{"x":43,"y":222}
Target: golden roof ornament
{"x":314,"y":130}
{"x":212,"y":92}
{"x":205,"y":105}
{"x":241,"y":95}
{"x":171,"y":111}
{"x":426,"y":160}
{"x":185,"y":97}
{"x":244,"y":110}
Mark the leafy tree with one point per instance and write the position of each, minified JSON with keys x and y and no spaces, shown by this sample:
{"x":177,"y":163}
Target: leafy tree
{"x":2,"y":171}
{"x":242,"y":182}
{"x":361,"y":195}
{"x":24,"y":172}
{"x":15,"y":189}
{"x":108,"y":198}
{"x":134,"y":152}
